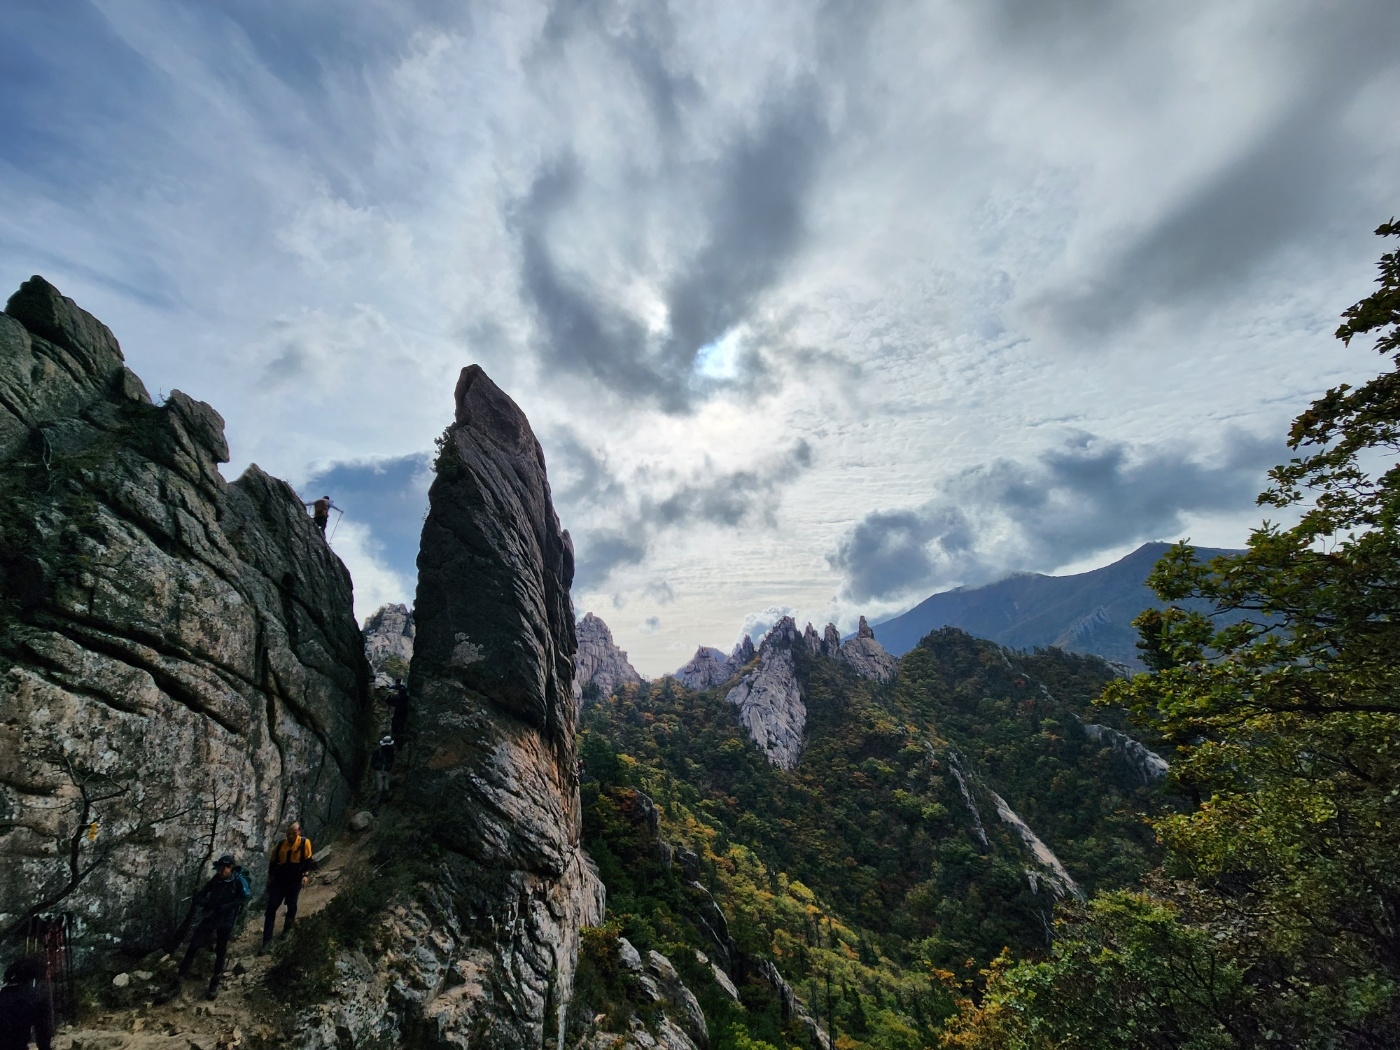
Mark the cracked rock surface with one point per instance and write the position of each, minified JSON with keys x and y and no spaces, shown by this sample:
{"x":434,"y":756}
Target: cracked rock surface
{"x":483,"y":953}
{"x":180,"y":668}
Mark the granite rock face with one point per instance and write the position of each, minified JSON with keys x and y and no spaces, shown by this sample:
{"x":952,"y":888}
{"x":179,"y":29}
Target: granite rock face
{"x":389,"y":642}
{"x":705,"y":670}
{"x":709,"y":667}
{"x":769,"y":698}
{"x":490,"y":761}
{"x":679,"y":1022}
{"x":180,"y":668}
{"x":865,"y":656}
{"x":1145,"y":763}
{"x":599,"y":662}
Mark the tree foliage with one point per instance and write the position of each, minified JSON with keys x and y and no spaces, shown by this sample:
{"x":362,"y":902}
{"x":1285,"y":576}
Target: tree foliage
{"x":1287,"y":730}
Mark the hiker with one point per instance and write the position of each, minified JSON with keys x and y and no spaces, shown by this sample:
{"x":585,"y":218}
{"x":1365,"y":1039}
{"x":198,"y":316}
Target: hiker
{"x":222,"y":899}
{"x":380,"y":762}
{"x":321,"y":512}
{"x":398,"y":703}
{"x":25,"y":1009}
{"x":287,"y":870}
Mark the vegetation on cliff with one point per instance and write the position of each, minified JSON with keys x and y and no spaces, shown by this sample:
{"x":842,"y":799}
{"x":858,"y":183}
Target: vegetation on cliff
{"x":861,"y":867}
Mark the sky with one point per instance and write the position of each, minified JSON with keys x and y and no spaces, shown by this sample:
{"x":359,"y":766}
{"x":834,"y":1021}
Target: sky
{"x":817,"y":308}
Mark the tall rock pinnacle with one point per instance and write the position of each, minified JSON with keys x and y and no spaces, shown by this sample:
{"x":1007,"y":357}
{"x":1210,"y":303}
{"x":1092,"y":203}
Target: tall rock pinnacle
{"x":492,"y":732}
{"x":599,"y":662}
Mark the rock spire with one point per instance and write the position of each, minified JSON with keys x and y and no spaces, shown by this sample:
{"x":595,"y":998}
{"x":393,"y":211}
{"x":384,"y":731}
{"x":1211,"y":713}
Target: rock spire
{"x":491,"y":757}
{"x":769,"y":698}
{"x":599,"y":662}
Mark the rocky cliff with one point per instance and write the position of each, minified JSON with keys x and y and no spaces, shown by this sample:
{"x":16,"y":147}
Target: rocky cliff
{"x":389,"y":642}
{"x":599,"y":662}
{"x":180,"y":668}
{"x":769,"y":698}
{"x":483,"y":953}
{"x":864,"y":655}
{"x":709,"y":667}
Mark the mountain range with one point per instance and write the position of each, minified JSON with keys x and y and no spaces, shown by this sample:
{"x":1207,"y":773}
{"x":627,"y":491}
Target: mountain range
{"x":1088,"y":612}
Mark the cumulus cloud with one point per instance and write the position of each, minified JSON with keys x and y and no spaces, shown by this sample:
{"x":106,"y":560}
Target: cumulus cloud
{"x":1085,"y":497}
{"x":757,"y":624}
{"x":376,"y":584}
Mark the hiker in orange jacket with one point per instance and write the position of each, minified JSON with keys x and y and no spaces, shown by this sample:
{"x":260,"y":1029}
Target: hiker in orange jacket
{"x":287,"y":870}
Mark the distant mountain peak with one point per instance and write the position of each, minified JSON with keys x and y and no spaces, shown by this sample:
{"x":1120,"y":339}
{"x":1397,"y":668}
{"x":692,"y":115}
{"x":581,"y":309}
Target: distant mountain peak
{"x":598,"y":661}
{"x":1088,"y":612}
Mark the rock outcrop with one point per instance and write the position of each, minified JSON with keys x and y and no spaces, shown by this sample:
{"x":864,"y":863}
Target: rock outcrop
{"x":709,"y":667}
{"x":678,"y":1021}
{"x":865,"y":656}
{"x":1144,"y":762}
{"x":490,"y":762}
{"x":769,"y":698}
{"x":599,"y":662}
{"x":180,"y":668}
{"x":389,"y":643}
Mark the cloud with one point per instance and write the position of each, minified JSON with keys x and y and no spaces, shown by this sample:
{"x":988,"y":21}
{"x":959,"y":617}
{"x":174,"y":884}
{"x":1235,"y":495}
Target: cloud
{"x":758,"y":624}
{"x":1072,"y":502}
{"x":701,"y":229}
{"x":376,"y":584}
{"x":616,"y":522}
{"x":1286,"y":181}
{"x":660,"y":592}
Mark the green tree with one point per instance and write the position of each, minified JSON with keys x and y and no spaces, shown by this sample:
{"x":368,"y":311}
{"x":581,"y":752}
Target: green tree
{"x":1289,"y":720}
{"x":1285,"y":922}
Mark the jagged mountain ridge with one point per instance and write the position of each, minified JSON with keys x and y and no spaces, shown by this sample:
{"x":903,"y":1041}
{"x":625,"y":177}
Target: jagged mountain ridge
{"x":931,"y":819}
{"x":1089,"y":612}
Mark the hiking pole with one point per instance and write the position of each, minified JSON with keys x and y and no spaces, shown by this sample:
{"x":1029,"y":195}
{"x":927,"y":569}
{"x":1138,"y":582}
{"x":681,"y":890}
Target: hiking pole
{"x":337,"y":524}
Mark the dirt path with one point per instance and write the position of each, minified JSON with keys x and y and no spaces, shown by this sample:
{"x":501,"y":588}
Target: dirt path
{"x":243,"y":1015}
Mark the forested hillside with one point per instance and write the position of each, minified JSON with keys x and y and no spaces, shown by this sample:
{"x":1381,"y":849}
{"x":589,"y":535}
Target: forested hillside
{"x":866,"y":866}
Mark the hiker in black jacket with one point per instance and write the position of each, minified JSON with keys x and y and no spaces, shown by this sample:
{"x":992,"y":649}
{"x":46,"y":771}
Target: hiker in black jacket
{"x":222,"y":899}
{"x":398,"y":701}
{"x":25,"y":1008}
{"x":287,"y":869}
{"x":381,"y":760}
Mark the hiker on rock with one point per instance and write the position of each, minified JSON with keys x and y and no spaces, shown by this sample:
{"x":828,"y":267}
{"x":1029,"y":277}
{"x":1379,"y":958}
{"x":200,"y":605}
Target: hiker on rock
{"x":398,"y":700}
{"x":287,"y":870}
{"x":321,"y":512}
{"x":25,"y":1009}
{"x":222,"y":899}
{"x":380,"y":762}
